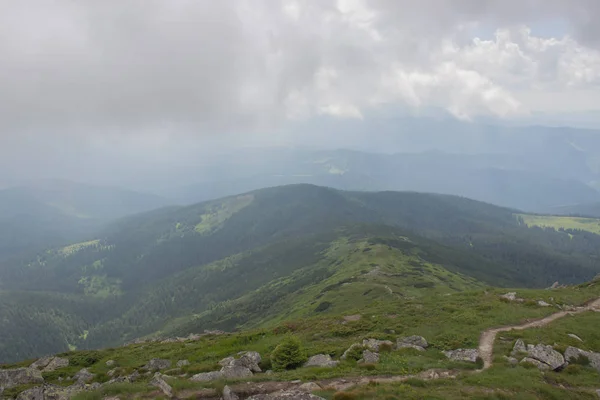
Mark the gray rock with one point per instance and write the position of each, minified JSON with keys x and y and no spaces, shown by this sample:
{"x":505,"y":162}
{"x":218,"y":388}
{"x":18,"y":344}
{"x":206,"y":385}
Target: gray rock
{"x":207,"y":376}
{"x":236,"y":372}
{"x":547,"y":355}
{"x":511,"y":296}
{"x":56,"y":363}
{"x":41,"y":363}
{"x":519,"y":347}
{"x":512,"y":360}
{"x":530,"y":347}
{"x":468,"y":355}
{"x":369,"y":357}
{"x":50,"y":392}
{"x":110,"y":363}
{"x":414,"y":342}
{"x":160,"y":383}
{"x":309,"y":387}
{"x":157,"y":364}
{"x":374,"y":344}
{"x":83,"y":376}
{"x":182,"y":363}
{"x":112,"y":372}
{"x":351,"y":348}
{"x":19,"y":376}
{"x":286,"y":395}
{"x":572,"y":353}
{"x":250,"y":360}
{"x":542,"y":303}
{"x":321,"y":360}
{"x":574,"y":336}
{"x":227,"y":361}
{"x":228,"y":394}
{"x":134,"y":376}
{"x":541,"y":366}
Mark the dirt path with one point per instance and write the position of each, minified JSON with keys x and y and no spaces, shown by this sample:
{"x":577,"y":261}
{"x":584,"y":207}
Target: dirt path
{"x":486,"y":341}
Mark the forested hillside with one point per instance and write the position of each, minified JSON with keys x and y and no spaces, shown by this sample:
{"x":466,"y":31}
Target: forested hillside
{"x":265,"y":256}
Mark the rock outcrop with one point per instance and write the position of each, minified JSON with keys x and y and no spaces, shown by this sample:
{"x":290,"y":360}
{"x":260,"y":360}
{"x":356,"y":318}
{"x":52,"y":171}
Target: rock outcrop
{"x":19,"y":376}
{"x":573,"y":353}
{"x":56,"y":363}
{"x":541,"y":366}
{"x":250,"y":360}
{"x":235,"y":372}
{"x":519,"y":347}
{"x":83,"y":376}
{"x":375,"y":345}
{"x":156,"y":364}
{"x":369,"y":357}
{"x":321,"y":360}
{"x":414,"y":342}
{"x":547,"y":355}
{"x":228,"y":394}
{"x":207,"y":376}
{"x":468,"y":355}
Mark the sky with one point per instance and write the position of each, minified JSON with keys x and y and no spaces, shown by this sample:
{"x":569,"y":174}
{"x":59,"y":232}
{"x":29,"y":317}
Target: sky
{"x":90,"y":88}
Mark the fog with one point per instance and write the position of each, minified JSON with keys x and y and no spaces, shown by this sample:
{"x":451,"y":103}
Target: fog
{"x":145,"y":94}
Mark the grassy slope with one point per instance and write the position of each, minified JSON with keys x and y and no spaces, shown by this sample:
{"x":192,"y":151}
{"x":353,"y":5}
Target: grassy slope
{"x":566,"y":223}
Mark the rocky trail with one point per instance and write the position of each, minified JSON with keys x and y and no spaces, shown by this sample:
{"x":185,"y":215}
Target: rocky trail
{"x":488,"y":337}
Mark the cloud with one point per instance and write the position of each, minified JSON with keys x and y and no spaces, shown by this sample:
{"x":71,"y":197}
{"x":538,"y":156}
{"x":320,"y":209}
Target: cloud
{"x":152,"y":68}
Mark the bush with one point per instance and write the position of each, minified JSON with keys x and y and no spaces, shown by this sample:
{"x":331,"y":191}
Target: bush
{"x":85,"y":358}
{"x":354,"y":353}
{"x":289,"y":354}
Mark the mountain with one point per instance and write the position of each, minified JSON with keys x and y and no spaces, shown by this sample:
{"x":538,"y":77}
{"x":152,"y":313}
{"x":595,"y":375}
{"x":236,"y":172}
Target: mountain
{"x":258,"y":258}
{"x":508,"y":180}
{"x":50,"y":213}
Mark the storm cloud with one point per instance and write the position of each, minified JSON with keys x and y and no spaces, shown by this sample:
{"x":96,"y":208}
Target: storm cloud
{"x":83,"y":75}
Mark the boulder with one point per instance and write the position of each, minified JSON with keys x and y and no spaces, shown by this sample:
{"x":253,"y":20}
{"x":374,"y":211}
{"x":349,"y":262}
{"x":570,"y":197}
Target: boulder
{"x":135,"y":375}
{"x":286,"y":395}
{"x":160,"y":383}
{"x":413,"y":342}
{"x":374,"y":344}
{"x":228,"y":394}
{"x":41,"y":363}
{"x":541,"y":366}
{"x":19,"y":376}
{"x":250,"y":360}
{"x":542,"y":303}
{"x":207,"y":376}
{"x":369,"y":357}
{"x":468,"y":355}
{"x":182,"y":363}
{"x":235,"y":372}
{"x":309,"y":387}
{"x":56,"y":363}
{"x":83,"y":376}
{"x":321,"y":360}
{"x":572,"y":353}
{"x":350,"y":349}
{"x":227,"y":361}
{"x":547,"y":355}
{"x":157,"y":364}
{"x":574,"y":336}
{"x":519,"y":347}
{"x":510,"y":296}
{"x":110,"y":363}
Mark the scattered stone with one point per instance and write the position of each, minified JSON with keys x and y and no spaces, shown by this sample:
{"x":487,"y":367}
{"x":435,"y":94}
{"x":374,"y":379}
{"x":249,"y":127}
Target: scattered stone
{"x":19,"y":376}
{"x":547,"y":355}
{"x":374,"y":344}
{"x":50,"y":392}
{"x":56,"y":363}
{"x":321,"y":360}
{"x":574,"y":336}
{"x":236,"y":372}
{"x":214,"y":332}
{"x":110,"y":363}
{"x":352,"y":318}
{"x":228,"y":394}
{"x":286,"y":395}
{"x":510,"y":296}
{"x":41,"y":363}
{"x":160,"y":383}
{"x":468,"y":355}
{"x":207,"y":376}
{"x":309,"y":387}
{"x":415,"y":342}
{"x":368,"y":357}
{"x":182,"y":363}
{"x":541,"y":366}
{"x":157,"y":364}
{"x":83,"y":376}
{"x":542,"y":303}
{"x":519,"y":347}
{"x":350,"y":349}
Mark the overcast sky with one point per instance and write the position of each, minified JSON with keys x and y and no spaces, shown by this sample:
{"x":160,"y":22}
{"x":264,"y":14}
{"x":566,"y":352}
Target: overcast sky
{"x":142,"y":80}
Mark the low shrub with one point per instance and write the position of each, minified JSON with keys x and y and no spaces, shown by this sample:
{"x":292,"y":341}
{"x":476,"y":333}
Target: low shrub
{"x":288,"y":354}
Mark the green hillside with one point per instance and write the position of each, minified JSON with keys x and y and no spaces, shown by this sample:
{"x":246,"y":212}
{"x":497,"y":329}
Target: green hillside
{"x":272,"y":255}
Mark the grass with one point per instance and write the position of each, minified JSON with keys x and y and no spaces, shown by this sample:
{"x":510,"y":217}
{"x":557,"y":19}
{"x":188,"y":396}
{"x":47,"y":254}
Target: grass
{"x":218,"y":212}
{"x":557,"y":222}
